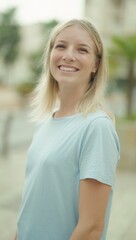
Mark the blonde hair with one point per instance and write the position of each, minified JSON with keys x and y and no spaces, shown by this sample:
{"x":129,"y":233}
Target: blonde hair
{"x":46,"y":92}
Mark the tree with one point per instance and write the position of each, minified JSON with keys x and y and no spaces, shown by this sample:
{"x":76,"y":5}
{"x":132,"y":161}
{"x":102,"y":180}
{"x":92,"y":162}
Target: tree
{"x":9,"y":41}
{"x":125,"y":48}
{"x":9,"y":38}
{"x":36,"y":60}
{"x":49,"y":25}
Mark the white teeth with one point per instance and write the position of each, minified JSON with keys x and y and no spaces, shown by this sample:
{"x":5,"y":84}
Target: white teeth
{"x":67,"y":69}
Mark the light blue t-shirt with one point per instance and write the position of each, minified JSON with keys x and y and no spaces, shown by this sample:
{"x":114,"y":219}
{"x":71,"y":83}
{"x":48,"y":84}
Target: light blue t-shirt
{"x":63,"y":151}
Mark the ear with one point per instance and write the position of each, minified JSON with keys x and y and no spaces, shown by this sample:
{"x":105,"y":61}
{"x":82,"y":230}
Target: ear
{"x":92,"y":76}
{"x":96,"y":66}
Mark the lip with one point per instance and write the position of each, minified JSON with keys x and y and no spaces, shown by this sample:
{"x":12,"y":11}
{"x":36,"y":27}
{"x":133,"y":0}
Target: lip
{"x":68,"y":68}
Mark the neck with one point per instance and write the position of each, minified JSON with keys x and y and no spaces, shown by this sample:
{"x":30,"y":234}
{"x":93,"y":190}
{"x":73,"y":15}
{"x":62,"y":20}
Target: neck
{"x":69,"y":99}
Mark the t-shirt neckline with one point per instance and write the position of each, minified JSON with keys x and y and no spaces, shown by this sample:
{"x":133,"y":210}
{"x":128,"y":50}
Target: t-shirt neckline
{"x":68,"y":117}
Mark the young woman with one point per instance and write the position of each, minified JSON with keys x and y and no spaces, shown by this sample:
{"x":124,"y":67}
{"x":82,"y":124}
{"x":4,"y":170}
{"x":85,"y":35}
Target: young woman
{"x":74,"y":153}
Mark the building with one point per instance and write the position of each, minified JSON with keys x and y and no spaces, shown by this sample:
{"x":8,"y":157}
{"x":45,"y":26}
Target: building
{"x":112,"y":17}
{"x":115,"y":18}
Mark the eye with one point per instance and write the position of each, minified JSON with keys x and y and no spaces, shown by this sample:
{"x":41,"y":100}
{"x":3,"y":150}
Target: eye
{"x":83,"y":50}
{"x":61,"y":46}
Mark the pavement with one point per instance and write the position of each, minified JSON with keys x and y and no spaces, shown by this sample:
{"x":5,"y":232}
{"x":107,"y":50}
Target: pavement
{"x":123,"y":215}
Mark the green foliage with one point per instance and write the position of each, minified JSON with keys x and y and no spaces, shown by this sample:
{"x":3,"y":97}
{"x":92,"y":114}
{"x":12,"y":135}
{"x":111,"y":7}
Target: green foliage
{"x":123,"y":50}
{"x":49,"y":25}
{"x":47,"y":28}
{"x":9,"y":36}
{"x":123,"y":53}
{"x":35,"y":63}
{"x":36,"y":59}
{"x":25,"y":87}
{"x":131,"y":118}
{"x":125,"y":46}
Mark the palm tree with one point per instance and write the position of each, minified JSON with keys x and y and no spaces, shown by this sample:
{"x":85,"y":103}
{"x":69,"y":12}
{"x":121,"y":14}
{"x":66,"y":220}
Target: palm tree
{"x":125,"y":47}
{"x":9,"y":41}
{"x":9,"y":38}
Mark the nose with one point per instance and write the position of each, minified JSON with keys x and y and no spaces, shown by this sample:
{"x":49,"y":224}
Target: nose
{"x":69,"y":55}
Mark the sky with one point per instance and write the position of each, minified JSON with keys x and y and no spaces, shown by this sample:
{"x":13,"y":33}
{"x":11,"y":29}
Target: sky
{"x":31,"y":11}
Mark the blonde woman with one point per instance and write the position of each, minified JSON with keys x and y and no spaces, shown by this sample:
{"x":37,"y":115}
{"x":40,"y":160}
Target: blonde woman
{"x":74,"y":153}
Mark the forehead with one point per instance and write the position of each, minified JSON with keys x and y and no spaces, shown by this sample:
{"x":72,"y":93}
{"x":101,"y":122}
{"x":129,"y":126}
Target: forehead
{"x":74,"y":33}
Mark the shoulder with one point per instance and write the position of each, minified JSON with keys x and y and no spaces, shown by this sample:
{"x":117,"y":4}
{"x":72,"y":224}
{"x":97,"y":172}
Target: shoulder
{"x":99,"y":120}
{"x":100,"y":126}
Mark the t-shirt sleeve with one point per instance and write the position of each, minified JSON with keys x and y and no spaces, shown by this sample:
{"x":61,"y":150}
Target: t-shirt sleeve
{"x":100,"y":151}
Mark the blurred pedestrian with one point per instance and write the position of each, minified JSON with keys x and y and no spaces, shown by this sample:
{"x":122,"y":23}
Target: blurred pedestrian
{"x":73,"y":157}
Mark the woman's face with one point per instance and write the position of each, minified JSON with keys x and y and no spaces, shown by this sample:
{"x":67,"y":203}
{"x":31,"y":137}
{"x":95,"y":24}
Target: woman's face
{"x":72,"y":58}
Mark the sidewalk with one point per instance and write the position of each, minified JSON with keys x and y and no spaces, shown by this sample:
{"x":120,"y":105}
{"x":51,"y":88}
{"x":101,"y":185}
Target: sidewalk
{"x":123,"y":217}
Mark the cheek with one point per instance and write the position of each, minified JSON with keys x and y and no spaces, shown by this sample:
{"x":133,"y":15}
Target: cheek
{"x":54,"y":57}
{"x":89,"y":66}
{"x":52,"y":65}
{"x":53,"y":61}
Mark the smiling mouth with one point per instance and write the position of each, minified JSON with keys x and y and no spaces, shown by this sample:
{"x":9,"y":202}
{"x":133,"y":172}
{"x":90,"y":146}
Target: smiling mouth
{"x":68,"y":68}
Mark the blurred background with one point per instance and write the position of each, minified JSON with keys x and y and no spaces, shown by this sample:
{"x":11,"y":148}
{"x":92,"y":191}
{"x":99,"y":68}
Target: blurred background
{"x":24,"y":30}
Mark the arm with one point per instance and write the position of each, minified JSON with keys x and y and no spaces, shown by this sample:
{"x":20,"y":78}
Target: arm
{"x":93,"y":199}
